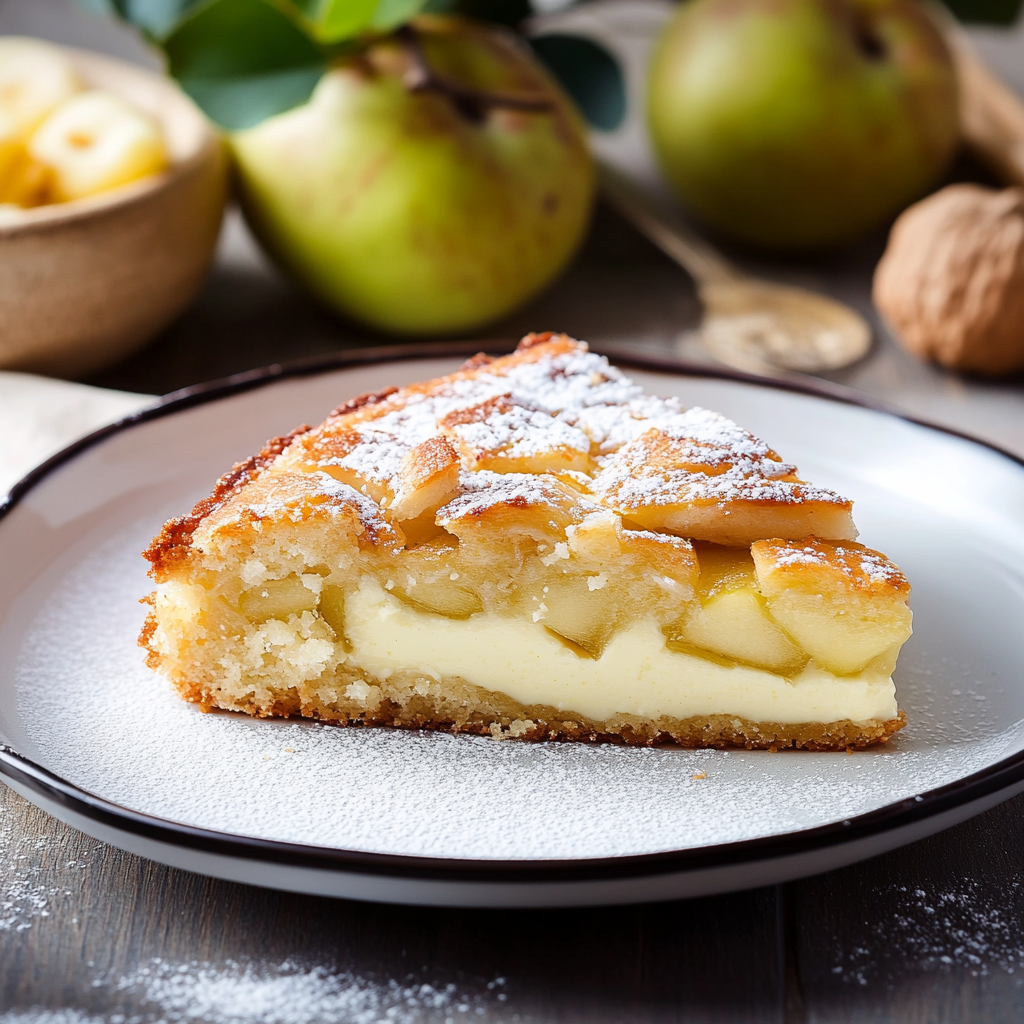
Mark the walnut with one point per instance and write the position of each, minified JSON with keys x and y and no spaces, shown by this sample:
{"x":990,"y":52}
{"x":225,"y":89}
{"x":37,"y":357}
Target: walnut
{"x":951,"y":280}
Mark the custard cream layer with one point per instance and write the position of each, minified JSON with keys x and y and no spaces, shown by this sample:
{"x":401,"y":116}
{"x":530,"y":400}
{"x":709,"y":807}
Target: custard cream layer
{"x":636,"y":675}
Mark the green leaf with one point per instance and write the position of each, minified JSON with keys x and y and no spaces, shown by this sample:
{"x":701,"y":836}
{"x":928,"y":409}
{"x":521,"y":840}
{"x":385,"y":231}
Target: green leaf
{"x":246,"y":101}
{"x":309,"y":8}
{"x":333,"y":21}
{"x":392,"y":13}
{"x":342,"y":19}
{"x":589,"y":74}
{"x":243,"y":61}
{"x":155,"y":17}
{"x":109,"y":8}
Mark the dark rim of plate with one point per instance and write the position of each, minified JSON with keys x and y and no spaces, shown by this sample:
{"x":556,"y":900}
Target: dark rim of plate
{"x":902,"y":814}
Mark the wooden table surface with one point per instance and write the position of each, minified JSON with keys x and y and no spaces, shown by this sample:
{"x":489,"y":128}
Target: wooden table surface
{"x":933,"y":932}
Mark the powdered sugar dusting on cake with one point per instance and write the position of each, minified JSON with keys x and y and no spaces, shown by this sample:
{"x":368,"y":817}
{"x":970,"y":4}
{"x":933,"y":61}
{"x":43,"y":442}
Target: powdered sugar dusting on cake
{"x":328,"y":495}
{"x":485,"y":490}
{"x":555,"y":405}
{"x":514,"y":431}
{"x":861,"y":567}
{"x":570,"y":382}
{"x":700,"y":456}
{"x":342,"y":494}
{"x":711,"y":429}
{"x":378,"y":458}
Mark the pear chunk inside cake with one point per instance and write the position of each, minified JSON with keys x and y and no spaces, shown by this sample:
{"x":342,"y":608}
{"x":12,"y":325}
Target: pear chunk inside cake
{"x":532,"y":547}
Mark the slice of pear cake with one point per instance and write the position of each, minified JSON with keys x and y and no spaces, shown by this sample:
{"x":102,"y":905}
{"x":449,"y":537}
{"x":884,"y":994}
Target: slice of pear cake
{"x":532,"y":547}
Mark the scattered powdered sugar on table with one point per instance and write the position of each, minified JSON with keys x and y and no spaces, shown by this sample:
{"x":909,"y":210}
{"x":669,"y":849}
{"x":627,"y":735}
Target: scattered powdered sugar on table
{"x":96,"y":716}
{"x":24,"y":897}
{"x":161,"y":992}
{"x":935,"y":929}
{"x":291,"y":995}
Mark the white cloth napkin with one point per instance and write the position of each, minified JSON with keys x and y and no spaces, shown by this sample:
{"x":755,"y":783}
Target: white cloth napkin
{"x":39,"y":416}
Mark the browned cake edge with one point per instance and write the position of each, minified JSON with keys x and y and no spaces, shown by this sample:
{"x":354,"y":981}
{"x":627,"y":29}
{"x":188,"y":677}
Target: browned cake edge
{"x":171,"y":545}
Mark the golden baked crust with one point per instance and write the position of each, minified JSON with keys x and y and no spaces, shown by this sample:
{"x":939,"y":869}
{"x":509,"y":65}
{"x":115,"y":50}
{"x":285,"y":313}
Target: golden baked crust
{"x":471,"y":709}
{"x":827,"y":568}
{"x":173,"y":543}
{"x":649,"y":458}
{"x":540,"y":487}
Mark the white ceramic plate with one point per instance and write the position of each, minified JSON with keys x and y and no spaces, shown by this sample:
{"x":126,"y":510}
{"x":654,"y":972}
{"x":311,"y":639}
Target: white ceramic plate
{"x":94,"y":737}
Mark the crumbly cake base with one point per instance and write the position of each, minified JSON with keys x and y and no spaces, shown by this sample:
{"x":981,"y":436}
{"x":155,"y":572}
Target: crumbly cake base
{"x":408,"y":701}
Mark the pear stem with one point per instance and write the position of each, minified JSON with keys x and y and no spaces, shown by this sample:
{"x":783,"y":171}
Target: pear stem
{"x":473,"y":104}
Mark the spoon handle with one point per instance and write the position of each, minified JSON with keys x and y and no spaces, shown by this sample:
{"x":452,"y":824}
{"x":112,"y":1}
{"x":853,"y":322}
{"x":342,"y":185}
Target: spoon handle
{"x":664,"y":229}
{"x":991,"y":114}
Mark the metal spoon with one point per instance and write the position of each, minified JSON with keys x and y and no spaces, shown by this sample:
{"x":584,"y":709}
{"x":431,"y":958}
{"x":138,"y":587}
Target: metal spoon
{"x":749,"y":323}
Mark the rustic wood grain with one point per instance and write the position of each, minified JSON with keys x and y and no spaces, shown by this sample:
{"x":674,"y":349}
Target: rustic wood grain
{"x":931,"y":933}
{"x":928,"y":934}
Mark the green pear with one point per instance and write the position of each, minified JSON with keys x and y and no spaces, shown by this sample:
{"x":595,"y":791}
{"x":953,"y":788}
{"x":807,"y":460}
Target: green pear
{"x":799,"y":124}
{"x":433,"y":182}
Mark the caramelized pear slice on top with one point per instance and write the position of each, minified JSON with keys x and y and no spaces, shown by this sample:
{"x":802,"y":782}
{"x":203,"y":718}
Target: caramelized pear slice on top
{"x":731,"y":618}
{"x":845,"y":604}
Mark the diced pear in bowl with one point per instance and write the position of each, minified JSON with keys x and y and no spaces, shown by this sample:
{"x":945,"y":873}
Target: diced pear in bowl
{"x":62,"y":263}
{"x":95,"y":142}
{"x":23,"y":181}
{"x":35,"y":79}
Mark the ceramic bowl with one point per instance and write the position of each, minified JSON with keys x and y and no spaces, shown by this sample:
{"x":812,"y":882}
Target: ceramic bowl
{"x":84,"y":283}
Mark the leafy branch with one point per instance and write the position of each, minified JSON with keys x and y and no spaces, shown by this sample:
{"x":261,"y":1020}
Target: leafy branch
{"x":243,"y":61}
